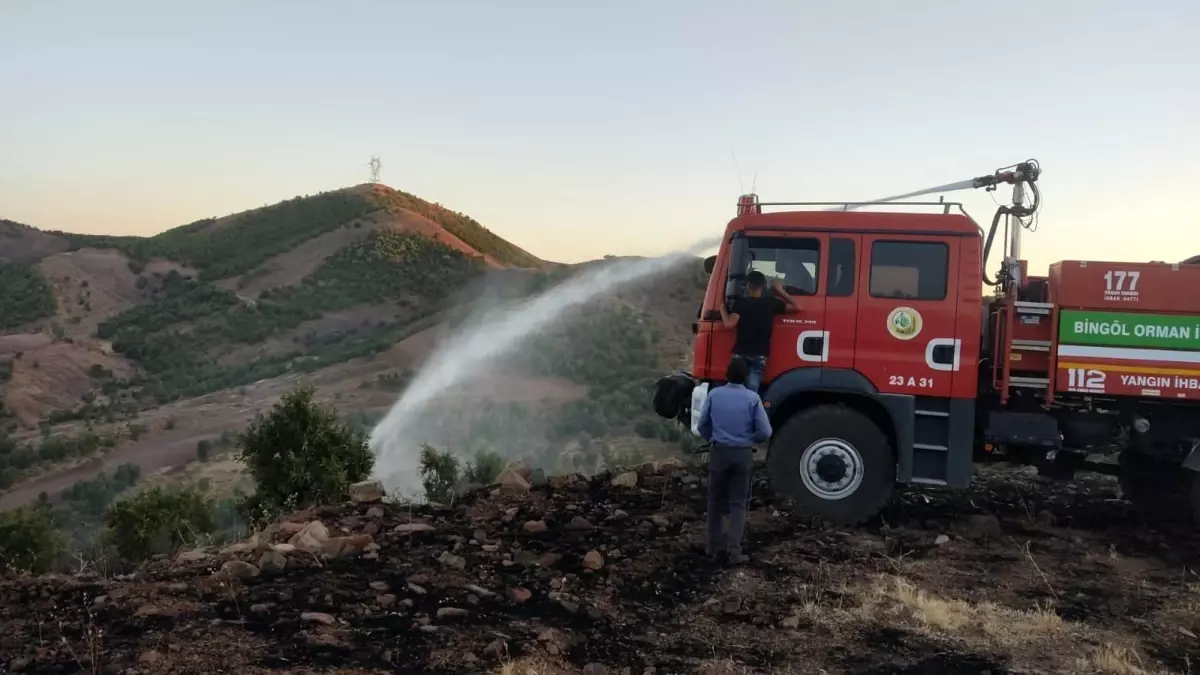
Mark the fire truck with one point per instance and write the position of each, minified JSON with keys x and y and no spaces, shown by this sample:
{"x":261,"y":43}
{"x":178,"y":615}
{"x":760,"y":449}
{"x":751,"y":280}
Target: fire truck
{"x":900,"y":369}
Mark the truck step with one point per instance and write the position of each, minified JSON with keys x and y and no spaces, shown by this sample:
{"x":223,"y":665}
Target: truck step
{"x":1030,"y":382}
{"x":928,"y":481}
{"x":930,"y":446}
{"x":931,"y":413}
{"x":1031,"y":345}
{"x":1024,"y":307}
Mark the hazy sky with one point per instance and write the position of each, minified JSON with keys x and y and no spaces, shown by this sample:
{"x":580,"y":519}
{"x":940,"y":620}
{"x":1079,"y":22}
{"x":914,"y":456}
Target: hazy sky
{"x":577,"y":129}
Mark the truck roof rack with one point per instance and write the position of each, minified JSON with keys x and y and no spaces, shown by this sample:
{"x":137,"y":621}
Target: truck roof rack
{"x":944,"y":207}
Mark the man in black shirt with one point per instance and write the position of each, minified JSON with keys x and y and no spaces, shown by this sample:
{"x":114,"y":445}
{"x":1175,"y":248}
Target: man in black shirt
{"x":753,"y":317}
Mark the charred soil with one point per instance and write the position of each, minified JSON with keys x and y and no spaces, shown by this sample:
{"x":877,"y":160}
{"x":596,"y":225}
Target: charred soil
{"x":1011,"y":575}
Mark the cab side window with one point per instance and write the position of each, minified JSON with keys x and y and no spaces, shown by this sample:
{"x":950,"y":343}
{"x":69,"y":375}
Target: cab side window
{"x":794,"y":261}
{"x":909,"y":270}
{"x":840,"y":274}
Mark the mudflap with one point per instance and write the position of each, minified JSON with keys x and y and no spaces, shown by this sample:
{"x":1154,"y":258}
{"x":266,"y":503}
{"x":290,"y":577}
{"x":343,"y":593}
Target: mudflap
{"x":672,"y":395}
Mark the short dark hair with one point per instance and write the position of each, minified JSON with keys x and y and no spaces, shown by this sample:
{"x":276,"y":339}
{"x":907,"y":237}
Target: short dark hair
{"x":738,"y":370}
{"x":756,"y":279}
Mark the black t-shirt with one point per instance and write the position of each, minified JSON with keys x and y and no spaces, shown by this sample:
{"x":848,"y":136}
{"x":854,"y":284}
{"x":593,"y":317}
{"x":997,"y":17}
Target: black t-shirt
{"x":756,"y":316}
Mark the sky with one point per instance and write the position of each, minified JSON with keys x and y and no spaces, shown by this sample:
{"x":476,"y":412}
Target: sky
{"x":579,"y":129}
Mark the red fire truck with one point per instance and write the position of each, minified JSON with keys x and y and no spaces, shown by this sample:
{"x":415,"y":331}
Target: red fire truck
{"x":899,"y":369}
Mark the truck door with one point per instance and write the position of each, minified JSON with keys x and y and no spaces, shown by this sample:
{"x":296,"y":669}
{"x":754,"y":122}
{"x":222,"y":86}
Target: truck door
{"x":797,"y":260}
{"x":907,"y":304}
{"x":841,"y":298}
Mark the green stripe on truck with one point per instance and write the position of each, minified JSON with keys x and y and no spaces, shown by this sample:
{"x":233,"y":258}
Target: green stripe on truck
{"x":1125,"y":329}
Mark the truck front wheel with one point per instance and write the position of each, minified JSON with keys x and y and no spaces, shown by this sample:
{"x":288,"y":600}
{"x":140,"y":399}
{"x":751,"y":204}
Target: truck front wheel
{"x":832,"y":462}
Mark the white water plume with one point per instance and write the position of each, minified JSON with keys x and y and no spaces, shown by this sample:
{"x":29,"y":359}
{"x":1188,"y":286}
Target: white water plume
{"x":397,"y":438}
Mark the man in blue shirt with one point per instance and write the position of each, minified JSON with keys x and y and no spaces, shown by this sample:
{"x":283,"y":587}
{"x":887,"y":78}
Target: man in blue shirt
{"x":733,"y":419}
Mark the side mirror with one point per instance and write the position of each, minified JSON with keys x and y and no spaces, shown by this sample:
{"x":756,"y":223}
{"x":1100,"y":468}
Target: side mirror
{"x":709,"y":263}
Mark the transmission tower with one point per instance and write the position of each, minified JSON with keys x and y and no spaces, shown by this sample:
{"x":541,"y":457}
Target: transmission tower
{"x":375,"y":165}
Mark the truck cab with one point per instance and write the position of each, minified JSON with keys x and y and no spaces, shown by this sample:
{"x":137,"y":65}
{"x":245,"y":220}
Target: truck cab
{"x":874,"y":382}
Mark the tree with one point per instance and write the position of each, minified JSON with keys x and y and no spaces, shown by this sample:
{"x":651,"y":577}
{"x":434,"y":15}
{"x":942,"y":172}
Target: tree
{"x":204,"y":450}
{"x":301,"y":453}
{"x":159,"y":520}
{"x":439,"y":474}
{"x":29,"y":539}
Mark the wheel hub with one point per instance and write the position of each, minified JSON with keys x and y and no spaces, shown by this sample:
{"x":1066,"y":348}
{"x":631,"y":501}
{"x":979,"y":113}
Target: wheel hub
{"x":831,"y":468}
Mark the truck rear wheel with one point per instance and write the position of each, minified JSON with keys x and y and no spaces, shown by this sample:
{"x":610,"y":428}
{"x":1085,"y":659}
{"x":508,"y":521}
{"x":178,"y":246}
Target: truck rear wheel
{"x":1163,"y":492}
{"x":833,"y":462}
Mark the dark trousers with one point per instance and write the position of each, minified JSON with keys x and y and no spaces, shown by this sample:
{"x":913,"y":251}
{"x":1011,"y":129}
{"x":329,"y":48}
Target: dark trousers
{"x":728,"y":494}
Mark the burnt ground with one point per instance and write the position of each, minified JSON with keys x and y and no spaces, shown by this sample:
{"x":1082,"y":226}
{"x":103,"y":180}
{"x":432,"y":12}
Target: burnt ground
{"x":1013,"y":575}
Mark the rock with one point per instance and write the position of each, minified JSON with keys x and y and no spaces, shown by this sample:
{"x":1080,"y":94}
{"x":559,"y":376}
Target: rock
{"x":310,"y":538}
{"x":18,"y":665}
{"x":490,"y":548}
{"x":237,"y":569}
{"x":629,"y":479}
{"x":419,"y":590}
{"x":496,"y":648}
{"x":579,"y":523}
{"x":660,"y":521}
{"x":451,"y":613}
{"x":99,"y":601}
{"x":272,"y":562}
{"x":284,"y":548}
{"x":538,"y":477}
{"x":519,"y":595}
{"x":191,"y":556}
{"x":412,"y":528}
{"x":386,"y":600}
{"x":450,"y":560}
{"x":318,"y":617}
{"x":380,"y":586}
{"x":690,"y":480}
{"x":535,"y":526}
{"x":593,"y":561}
{"x":418,"y":579}
{"x":287,"y":529}
{"x":150,"y":658}
{"x":549,"y":559}
{"x":481,"y":591}
{"x":366,"y":492}
{"x":792,"y":622}
{"x":513,"y":482}
{"x":667,"y":467}
{"x":375,"y":512}
{"x":519,"y":467}
{"x":984,"y":524}
{"x":594,"y":669}
{"x":260,"y":608}
{"x":343,"y":547}
{"x":941,"y":540}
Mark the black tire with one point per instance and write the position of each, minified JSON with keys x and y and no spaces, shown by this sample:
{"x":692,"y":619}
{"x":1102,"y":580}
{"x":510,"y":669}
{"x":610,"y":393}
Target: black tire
{"x":840,"y":432}
{"x":1163,"y":492}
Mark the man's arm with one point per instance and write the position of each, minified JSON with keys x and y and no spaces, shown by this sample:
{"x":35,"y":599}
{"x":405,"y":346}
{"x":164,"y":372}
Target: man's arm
{"x":789,"y":303}
{"x":762,"y":425}
{"x":727,"y":319}
{"x":705,"y":424}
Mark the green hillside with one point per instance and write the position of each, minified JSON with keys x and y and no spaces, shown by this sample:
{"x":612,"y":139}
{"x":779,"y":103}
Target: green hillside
{"x":24,"y":295}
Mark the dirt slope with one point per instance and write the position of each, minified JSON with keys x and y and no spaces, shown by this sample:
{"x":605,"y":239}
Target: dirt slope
{"x":24,"y":244}
{"x":1007,"y":577}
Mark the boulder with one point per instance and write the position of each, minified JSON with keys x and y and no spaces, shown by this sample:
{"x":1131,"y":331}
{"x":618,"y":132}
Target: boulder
{"x":366,"y":492}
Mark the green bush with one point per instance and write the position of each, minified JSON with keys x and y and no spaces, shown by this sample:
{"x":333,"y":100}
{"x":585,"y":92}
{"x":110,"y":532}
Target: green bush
{"x":29,"y":540}
{"x":204,"y":450}
{"x":159,"y":520}
{"x":485,"y":468}
{"x":25,"y":295}
{"x":301,"y":454}
{"x":439,"y":474}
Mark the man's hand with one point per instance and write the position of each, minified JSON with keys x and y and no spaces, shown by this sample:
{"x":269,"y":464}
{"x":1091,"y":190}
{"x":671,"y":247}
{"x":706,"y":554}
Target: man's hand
{"x":781,"y":292}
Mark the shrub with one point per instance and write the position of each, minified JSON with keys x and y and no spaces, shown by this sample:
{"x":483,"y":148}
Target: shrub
{"x":646,"y":428}
{"x":439,"y":474}
{"x":29,"y":540}
{"x":159,"y":520}
{"x":485,"y":469}
{"x":301,"y":451}
{"x":204,"y":450}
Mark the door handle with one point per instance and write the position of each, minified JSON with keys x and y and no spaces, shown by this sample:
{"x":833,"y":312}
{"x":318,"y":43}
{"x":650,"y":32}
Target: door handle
{"x":944,"y":354}
{"x":813,"y":346}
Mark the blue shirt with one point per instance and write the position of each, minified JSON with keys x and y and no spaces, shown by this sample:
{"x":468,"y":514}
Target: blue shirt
{"x":733,"y":415}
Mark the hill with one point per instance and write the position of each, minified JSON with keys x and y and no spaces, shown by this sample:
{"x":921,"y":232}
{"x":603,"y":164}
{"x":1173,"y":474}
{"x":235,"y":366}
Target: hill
{"x":128,"y":349}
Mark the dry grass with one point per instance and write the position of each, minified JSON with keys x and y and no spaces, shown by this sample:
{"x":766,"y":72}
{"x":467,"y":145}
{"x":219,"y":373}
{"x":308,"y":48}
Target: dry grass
{"x":994,"y":624}
{"x":532,"y":666}
{"x":1110,"y":659}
